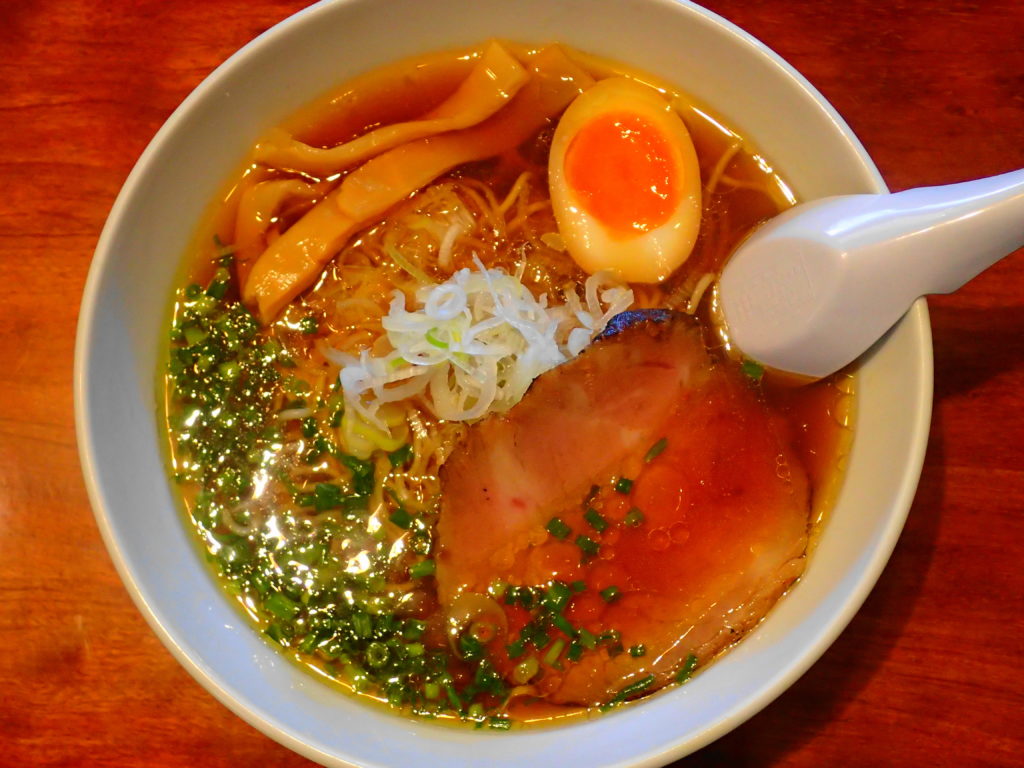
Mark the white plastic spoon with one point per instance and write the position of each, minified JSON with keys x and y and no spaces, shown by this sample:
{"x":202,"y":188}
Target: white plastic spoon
{"x":816,"y":286}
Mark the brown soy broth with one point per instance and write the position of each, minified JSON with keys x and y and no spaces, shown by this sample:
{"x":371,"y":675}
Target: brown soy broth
{"x":394,"y":93}
{"x":820,"y":415}
{"x":745,"y":192}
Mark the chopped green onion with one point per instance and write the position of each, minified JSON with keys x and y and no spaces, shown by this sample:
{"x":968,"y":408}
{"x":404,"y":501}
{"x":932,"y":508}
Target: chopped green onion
{"x":575,"y":651}
{"x":557,"y":596}
{"x":539,"y":638}
{"x":487,"y":680}
{"x":293,"y":385}
{"x":401,"y":456}
{"x":688,"y":666}
{"x":525,"y":597}
{"x":218,"y":289}
{"x":608,"y":594}
{"x":471,"y":647}
{"x":753,"y":370}
{"x":623,"y":485}
{"x":595,"y":520}
{"x":431,"y":690}
{"x":281,"y":606}
{"x":386,"y":623}
{"x":516,"y":648}
{"x":336,"y":416}
{"x":587,"y":639}
{"x":309,"y":325}
{"x":578,"y":586}
{"x":557,"y":528}
{"x":587,"y":544}
{"x":229,"y":371}
{"x":497,"y":588}
{"x":554,"y":652}
{"x":309,"y":427}
{"x":453,"y":696}
{"x":656,"y":450}
{"x":499,"y":723}
{"x":638,"y":650}
{"x":563,"y":624}
{"x":521,"y":595}
{"x":434,"y":341}
{"x":401,"y":518}
{"x":422,"y":569}
{"x":195,"y":335}
{"x":362,"y":625}
{"x":222,"y":249}
{"x":236,"y":554}
{"x":526,"y":633}
{"x":415,"y":649}
{"x":309,"y":642}
{"x":362,"y":474}
{"x":413,"y":629}
{"x":260,"y":583}
{"x":639,"y":686}
{"x":525,"y":670}
{"x":634,"y":517}
{"x":276,"y":633}
{"x":327,"y":496}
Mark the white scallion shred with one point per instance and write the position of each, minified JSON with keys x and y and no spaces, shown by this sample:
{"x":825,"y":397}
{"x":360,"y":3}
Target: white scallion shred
{"x":473,"y":344}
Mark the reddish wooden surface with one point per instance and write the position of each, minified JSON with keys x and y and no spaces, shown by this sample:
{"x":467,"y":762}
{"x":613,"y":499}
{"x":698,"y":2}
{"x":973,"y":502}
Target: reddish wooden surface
{"x":929,"y":672}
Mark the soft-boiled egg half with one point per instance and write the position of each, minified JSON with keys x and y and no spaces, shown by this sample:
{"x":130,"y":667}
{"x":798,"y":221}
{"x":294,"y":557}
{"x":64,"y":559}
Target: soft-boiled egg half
{"x":625,"y":184}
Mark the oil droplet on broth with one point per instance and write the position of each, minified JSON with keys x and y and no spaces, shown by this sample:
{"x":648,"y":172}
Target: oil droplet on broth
{"x":679,"y":533}
{"x":842,"y":410}
{"x":659,"y":539}
{"x":782,"y":469}
{"x":844,"y":382}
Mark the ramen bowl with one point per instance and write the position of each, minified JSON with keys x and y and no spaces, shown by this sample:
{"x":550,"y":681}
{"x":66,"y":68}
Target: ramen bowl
{"x":120,"y":354}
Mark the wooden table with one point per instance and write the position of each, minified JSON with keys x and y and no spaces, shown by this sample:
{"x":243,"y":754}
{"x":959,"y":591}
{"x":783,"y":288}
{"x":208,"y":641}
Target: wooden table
{"x":928,"y":674}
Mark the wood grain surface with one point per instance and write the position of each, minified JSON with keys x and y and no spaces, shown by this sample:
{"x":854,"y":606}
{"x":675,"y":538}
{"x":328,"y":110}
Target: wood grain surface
{"x":929,"y":673}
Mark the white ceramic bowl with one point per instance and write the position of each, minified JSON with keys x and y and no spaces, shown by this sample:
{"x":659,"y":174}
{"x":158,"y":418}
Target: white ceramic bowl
{"x":119,"y":347}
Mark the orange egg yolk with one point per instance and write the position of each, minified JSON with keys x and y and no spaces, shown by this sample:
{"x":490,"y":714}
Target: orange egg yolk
{"x":624,"y":173}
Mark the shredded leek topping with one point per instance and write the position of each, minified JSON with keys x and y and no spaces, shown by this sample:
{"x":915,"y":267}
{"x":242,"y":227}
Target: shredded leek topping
{"x":473,"y":344}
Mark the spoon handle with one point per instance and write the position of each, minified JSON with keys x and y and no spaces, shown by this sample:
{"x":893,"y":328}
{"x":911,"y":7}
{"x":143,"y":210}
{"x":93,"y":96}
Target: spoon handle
{"x":816,"y":286}
{"x":949,"y":234}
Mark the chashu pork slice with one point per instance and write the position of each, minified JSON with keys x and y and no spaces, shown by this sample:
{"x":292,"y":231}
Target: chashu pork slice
{"x":693,"y":547}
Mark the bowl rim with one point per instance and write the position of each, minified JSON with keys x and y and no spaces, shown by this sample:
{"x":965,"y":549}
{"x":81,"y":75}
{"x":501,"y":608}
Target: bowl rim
{"x":87,"y":436}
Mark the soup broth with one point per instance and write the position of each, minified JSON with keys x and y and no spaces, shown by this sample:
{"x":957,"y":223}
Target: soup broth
{"x":323,"y":526}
